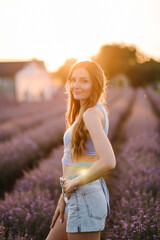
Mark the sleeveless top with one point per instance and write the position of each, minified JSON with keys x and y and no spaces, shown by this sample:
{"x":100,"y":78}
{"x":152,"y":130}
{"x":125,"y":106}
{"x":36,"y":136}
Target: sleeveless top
{"x":89,"y":144}
{"x":91,"y":152}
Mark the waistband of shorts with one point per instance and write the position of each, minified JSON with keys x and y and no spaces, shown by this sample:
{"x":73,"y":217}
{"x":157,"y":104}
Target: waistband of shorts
{"x":69,"y":177}
{"x":74,"y":176}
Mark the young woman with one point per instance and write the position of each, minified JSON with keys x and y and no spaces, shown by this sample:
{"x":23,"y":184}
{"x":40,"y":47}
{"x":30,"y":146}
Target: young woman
{"x":88,"y":156}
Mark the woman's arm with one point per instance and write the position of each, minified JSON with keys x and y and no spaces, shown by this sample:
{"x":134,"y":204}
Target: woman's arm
{"x":106,"y":158}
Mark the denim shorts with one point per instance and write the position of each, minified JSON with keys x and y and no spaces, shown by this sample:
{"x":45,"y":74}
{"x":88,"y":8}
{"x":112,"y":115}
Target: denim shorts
{"x":86,"y":208}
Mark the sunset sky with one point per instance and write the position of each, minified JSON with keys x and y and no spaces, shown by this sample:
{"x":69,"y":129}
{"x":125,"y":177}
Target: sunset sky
{"x":54,"y":30}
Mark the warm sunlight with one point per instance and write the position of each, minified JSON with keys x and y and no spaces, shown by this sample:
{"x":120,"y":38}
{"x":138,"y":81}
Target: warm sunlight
{"x":56,"y":30}
{"x":111,"y":190}
{"x":83,"y":172}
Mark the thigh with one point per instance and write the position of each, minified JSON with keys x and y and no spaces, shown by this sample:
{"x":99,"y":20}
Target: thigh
{"x":58,"y":232}
{"x":84,"y":236}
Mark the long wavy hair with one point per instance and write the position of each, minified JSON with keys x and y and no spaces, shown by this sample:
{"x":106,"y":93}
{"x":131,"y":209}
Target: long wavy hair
{"x":75,"y":111}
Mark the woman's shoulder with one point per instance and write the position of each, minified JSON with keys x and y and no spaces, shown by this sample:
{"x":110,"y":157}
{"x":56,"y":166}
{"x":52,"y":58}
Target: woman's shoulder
{"x":94,"y":113}
{"x":90,"y":112}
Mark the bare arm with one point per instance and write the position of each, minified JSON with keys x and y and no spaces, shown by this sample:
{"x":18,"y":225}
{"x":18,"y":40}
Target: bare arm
{"x":106,"y":158}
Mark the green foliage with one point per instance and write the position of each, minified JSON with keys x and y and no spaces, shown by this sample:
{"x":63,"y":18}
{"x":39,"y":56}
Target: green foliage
{"x":116,"y":59}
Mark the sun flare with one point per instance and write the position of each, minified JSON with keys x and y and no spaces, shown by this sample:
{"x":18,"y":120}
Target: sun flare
{"x":83,"y":172}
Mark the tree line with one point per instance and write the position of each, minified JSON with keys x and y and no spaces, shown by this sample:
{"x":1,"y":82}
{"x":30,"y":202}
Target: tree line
{"x":115,"y":59}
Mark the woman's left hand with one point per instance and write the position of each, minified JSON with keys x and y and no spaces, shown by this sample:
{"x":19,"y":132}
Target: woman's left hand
{"x":68,"y":187}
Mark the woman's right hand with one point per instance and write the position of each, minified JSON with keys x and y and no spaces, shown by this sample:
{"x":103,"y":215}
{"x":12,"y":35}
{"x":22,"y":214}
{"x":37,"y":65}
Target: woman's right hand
{"x":59,"y":211}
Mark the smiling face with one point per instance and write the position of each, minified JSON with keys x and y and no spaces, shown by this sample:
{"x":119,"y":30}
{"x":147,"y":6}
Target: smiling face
{"x":81,"y":84}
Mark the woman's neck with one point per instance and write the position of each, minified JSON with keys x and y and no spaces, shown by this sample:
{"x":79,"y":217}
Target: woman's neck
{"x":82,"y":102}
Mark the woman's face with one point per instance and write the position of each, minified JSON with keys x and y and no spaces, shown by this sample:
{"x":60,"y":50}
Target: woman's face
{"x":81,"y":84}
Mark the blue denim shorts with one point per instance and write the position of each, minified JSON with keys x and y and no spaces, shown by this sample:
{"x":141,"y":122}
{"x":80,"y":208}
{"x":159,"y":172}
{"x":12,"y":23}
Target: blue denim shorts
{"x":86,"y":208}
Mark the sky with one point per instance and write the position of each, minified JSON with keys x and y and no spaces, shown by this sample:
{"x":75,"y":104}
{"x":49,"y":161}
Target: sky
{"x":55,"y":30}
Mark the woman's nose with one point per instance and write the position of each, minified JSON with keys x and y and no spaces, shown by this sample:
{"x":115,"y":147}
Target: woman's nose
{"x":76,"y":84}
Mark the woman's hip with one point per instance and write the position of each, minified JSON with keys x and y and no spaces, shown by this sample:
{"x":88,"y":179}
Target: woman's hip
{"x":90,"y":195}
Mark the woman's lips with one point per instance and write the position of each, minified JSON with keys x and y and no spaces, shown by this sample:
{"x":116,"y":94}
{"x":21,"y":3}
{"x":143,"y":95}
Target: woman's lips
{"x":76,"y":92}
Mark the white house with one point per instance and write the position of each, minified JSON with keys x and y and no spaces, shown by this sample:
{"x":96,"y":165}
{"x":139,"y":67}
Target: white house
{"x":32,"y":83}
{"x":25,"y":81}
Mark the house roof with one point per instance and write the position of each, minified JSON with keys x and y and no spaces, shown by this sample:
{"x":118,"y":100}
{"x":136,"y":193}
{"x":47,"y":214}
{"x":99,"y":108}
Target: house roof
{"x":9,"y":69}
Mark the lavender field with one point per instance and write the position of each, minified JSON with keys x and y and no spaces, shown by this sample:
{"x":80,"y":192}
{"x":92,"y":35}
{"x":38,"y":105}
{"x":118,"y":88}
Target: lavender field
{"x":30,"y":167}
{"x":134,"y":186}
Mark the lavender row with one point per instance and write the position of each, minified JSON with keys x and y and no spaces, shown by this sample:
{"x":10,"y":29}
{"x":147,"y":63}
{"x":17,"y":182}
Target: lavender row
{"x":16,"y":126}
{"x":154,"y":97}
{"x":143,"y":118}
{"x":135,"y":191}
{"x":114,"y":93}
{"x":118,"y":110}
{"x":135,"y":195}
{"x":26,"y":213}
{"x":25,"y":151}
{"x":17,"y":110}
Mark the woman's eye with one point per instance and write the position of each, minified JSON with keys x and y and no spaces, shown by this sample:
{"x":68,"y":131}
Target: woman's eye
{"x":83,"y":80}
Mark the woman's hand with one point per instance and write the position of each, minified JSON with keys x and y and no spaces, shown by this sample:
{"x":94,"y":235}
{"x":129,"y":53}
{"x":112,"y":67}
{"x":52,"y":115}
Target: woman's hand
{"x":59,"y":211}
{"x":69,"y":186}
